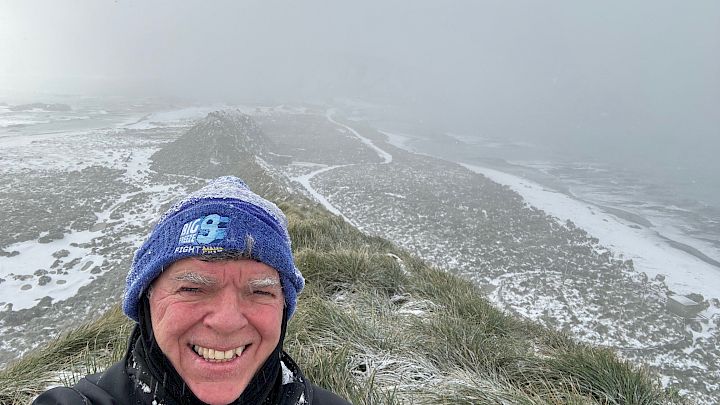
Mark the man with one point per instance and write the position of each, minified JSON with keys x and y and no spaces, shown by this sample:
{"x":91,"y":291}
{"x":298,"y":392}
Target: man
{"x":211,"y":290}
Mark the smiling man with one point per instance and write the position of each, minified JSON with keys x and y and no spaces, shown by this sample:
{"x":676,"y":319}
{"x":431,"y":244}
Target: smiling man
{"x":211,"y":290}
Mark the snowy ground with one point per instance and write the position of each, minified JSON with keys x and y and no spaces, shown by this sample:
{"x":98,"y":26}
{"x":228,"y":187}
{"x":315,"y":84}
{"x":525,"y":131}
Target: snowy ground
{"x":75,"y":259}
{"x":596,"y":278}
{"x":73,"y":219}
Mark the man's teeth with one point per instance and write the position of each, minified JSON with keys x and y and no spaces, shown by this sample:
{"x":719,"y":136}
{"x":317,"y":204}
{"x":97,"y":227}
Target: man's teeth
{"x":218,"y":355}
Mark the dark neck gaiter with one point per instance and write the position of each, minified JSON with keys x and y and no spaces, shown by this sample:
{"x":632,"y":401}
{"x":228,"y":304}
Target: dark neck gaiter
{"x":160,"y":381}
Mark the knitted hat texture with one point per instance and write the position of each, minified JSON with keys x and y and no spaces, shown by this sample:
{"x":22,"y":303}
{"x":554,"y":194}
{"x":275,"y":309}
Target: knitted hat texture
{"x":223,"y":216}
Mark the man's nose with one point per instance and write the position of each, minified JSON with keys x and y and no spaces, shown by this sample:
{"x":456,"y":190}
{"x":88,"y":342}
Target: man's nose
{"x":227,"y":312}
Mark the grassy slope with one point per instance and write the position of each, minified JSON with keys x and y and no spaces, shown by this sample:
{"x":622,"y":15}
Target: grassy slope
{"x":377,"y":325}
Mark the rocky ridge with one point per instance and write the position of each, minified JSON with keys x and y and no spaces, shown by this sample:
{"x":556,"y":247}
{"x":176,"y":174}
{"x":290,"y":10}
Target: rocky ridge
{"x":224,"y":142}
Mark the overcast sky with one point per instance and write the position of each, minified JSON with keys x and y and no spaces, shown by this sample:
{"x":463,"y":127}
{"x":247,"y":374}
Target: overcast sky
{"x":649,"y":69}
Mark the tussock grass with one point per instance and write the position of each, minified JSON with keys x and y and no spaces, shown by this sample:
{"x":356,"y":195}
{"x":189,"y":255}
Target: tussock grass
{"x":347,"y":269}
{"x":325,"y":232}
{"x":599,"y":374}
{"x":453,"y":342}
{"x":459,"y":297}
{"x":379,"y":326}
{"x":88,"y":349}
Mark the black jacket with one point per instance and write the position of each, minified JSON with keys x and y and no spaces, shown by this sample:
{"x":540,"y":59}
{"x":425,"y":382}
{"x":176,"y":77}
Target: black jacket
{"x":115,"y":387}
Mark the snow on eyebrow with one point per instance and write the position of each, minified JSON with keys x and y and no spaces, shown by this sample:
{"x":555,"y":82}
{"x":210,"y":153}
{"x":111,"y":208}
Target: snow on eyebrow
{"x":195,"y":278}
{"x":264,"y":282}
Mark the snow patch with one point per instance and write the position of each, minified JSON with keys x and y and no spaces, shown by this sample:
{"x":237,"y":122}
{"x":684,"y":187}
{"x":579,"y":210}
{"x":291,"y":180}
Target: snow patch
{"x":684,"y":273}
{"x":304,"y":180}
{"x":387,"y":158}
{"x":23,"y":272}
{"x":172,"y":117}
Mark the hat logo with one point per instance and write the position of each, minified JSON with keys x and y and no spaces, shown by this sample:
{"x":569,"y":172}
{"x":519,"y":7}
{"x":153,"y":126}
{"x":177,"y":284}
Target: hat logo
{"x":204,"y":230}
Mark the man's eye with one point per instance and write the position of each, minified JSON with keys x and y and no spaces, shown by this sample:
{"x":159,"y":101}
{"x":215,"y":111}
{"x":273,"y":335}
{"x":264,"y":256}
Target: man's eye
{"x":189,"y":289}
{"x":263,"y":292}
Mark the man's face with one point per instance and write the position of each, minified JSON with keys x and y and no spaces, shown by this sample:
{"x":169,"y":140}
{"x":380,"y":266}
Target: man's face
{"x":217,"y":322}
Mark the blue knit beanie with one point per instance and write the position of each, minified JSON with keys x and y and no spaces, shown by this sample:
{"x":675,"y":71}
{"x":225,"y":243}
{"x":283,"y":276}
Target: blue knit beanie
{"x":223,"y":216}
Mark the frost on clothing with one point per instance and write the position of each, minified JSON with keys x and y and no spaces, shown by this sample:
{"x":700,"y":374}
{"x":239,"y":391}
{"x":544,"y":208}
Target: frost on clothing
{"x":223,"y":216}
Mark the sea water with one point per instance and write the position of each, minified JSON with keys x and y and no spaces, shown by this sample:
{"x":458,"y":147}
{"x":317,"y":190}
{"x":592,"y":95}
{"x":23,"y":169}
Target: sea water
{"x":675,"y":204}
{"x":83,"y":114}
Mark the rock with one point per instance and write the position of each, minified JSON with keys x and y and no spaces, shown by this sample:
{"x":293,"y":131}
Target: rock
{"x":45,"y":302}
{"x":61,"y":253}
{"x":696,"y":297}
{"x":86,"y":265}
{"x":96,"y":270}
{"x":72,"y":263}
{"x":40,"y":272}
{"x":60,"y":282}
{"x":9,"y":254}
{"x":98,"y":227}
{"x":26,"y":287}
{"x":44,"y":280}
{"x":51,"y":236}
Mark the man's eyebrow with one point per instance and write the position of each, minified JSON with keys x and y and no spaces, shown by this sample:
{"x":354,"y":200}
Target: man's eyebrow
{"x":264,"y":282}
{"x":195,"y":278}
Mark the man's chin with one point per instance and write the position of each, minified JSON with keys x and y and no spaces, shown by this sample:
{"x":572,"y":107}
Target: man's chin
{"x":215,"y":382}
{"x":213,"y":393}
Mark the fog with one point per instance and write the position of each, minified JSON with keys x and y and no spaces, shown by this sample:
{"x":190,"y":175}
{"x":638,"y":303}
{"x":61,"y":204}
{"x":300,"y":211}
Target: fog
{"x":612,"y":77}
{"x":602,"y":113}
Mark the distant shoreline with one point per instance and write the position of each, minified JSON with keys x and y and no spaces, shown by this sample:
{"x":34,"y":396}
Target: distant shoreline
{"x":618,"y":212}
{"x":690,"y":250}
{"x":545,"y":181}
{"x":681,"y":271}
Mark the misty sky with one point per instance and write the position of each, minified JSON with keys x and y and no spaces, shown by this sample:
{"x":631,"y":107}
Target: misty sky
{"x":574,"y":71}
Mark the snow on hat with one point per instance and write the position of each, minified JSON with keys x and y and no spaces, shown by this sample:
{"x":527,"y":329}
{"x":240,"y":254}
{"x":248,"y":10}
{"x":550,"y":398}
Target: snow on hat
{"x":223,"y":216}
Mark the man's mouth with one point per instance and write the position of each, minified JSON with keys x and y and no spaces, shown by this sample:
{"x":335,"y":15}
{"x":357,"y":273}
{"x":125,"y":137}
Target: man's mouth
{"x":214,"y":355}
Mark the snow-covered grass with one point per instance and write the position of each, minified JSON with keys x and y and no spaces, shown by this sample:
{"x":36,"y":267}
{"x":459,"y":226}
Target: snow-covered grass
{"x":85,"y":350}
{"x":362,"y":180}
{"x":528,"y":263}
{"x":377,"y":325}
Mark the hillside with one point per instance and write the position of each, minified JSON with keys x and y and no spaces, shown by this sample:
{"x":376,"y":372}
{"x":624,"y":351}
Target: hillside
{"x":389,"y":327}
{"x":526,"y":261}
{"x":227,"y":141}
{"x":378,"y":325}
